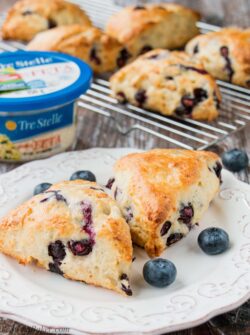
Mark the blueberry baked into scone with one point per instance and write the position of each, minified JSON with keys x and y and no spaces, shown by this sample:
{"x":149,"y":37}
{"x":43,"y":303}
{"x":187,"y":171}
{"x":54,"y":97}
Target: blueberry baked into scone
{"x":163,"y":193}
{"x":100,"y":51}
{"x":74,"y":229}
{"x":29,"y":17}
{"x":225,"y":54}
{"x":147,"y":27}
{"x":170,"y":83}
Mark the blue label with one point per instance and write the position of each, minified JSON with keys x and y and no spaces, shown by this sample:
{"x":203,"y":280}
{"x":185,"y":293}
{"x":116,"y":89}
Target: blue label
{"x":28,"y":62}
{"x":22,"y":127}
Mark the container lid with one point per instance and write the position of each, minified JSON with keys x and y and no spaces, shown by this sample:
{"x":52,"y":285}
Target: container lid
{"x":48,"y":79}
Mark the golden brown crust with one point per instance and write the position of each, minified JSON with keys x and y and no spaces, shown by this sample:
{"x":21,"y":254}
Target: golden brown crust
{"x":207,"y":49}
{"x":29,"y":17}
{"x":156,"y":25}
{"x":154,"y":185}
{"x":170,"y":83}
{"x":90,"y":44}
{"x":58,"y":215}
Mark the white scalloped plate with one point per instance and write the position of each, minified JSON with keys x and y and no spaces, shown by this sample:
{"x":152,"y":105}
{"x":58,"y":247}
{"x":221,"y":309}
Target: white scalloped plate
{"x":205,"y":285}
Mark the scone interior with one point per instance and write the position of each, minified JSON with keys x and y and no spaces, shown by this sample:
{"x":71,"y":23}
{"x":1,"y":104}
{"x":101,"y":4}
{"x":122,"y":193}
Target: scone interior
{"x":29,"y":17}
{"x":163,"y":193}
{"x":143,"y":28}
{"x":74,"y":229}
{"x":101,"y":51}
{"x":170,"y":83}
{"x":225,"y":54}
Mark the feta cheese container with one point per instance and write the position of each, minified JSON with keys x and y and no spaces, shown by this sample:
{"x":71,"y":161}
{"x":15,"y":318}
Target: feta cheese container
{"x":38,"y":103}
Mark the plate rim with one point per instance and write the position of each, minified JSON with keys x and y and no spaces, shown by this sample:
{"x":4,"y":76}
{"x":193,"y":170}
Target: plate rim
{"x":166,"y":329}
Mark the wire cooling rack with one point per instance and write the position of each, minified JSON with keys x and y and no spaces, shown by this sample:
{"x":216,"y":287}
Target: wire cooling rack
{"x":188,"y":133}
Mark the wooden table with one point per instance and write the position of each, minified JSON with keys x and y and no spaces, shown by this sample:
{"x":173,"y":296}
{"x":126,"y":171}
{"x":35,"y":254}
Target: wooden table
{"x":97,"y":131}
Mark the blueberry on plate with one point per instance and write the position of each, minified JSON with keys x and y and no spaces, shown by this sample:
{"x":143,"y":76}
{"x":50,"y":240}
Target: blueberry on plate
{"x":84,"y":175}
{"x":213,"y":240}
{"x":235,"y":160}
{"x":40,"y":188}
{"x":159,"y":272}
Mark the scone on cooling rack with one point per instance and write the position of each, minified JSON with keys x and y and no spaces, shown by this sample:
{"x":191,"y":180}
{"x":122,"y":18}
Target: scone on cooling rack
{"x":163,"y":193}
{"x":100,"y":51}
{"x":147,"y":27}
{"x":225,"y":54}
{"x":29,"y":17}
{"x":74,"y":229}
{"x":169,"y":83}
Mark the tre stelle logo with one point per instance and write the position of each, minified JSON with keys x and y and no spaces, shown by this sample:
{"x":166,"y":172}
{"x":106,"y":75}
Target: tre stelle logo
{"x":10,"y":125}
{"x":34,"y":123}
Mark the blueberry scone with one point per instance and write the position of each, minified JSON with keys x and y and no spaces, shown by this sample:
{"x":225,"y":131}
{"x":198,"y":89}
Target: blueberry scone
{"x":100,"y":51}
{"x":29,"y":17}
{"x":143,"y":28}
{"x":169,"y":83}
{"x":74,"y":229}
{"x":163,"y":193}
{"x":8,"y":150}
{"x":225,"y":54}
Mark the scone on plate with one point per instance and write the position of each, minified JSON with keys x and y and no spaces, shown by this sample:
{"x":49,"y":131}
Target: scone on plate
{"x":147,"y":27}
{"x":225,"y":54}
{"x":29,"y":17}
{"x":100,"y":51}
{"x":163,"y":193}
{"x":170,"y":83}
{"x":74,"y":229}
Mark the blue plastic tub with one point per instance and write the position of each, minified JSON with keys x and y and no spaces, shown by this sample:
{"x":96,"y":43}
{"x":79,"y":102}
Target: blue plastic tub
{"x":38,"y":103}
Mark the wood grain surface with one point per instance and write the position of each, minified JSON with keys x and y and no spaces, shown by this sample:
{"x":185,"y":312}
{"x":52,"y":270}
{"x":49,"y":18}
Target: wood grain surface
{"x":96,"y":131}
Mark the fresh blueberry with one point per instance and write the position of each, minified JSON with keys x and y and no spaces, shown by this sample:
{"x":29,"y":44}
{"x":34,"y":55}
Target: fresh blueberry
{"x":84,"y":175}
{"x":40,"y":188}
{"x":235,"y":160}
{"x":213,"y":241}
{"x":159,"y":272}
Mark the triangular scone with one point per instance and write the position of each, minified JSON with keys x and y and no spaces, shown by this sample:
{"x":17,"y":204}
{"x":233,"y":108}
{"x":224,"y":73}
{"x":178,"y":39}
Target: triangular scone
{"x":170,"y":83}
{"x":28,"y":17}
{"x":101,"y":51}
{"x":74,"y":229}
{"x":163,"y":193}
